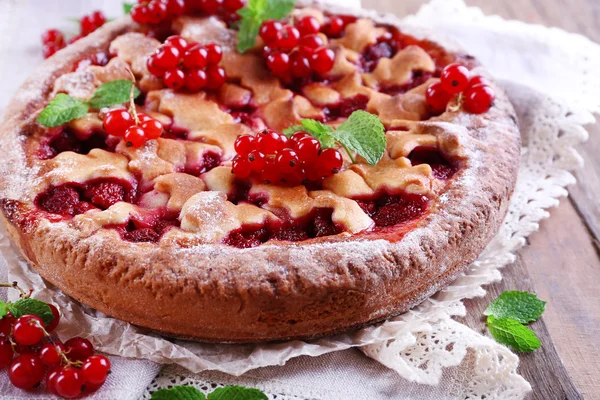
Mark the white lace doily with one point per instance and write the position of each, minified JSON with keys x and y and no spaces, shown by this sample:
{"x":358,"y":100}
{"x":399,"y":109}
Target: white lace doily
{"x":439,"y":357}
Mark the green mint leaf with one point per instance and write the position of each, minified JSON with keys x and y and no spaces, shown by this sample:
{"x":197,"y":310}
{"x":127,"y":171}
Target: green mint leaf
{"x":320,"y":131}
{"x":112,"y":93}
{"x":254,"y":14}
{"x":236,"y":393}
{"x":62,"y":109}
{"x":127,"y":7}
{"x":3,"y":309}
{"x":31,"y":307}
{"x":512,"y":333}
{"x":520,"y":306}
{"x":178,"y":393}
{"x":364,"y":134}
{"x":278,"y":9}
{"x":75,"y":20}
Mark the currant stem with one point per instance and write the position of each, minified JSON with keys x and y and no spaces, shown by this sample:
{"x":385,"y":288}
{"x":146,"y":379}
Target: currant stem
{"x":62,"y":354}
{"x":458,"y":105}
{"x":352,"y":158}
{"x":132,"y":109}
{"x":22,"y":294}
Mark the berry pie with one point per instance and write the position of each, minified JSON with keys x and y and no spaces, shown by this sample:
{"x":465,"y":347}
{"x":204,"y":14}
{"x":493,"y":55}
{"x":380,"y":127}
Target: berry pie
{"x":220,"y":172}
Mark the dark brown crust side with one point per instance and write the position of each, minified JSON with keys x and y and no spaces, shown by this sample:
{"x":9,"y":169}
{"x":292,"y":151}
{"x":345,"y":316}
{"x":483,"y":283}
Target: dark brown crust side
{"x":275,"y":291}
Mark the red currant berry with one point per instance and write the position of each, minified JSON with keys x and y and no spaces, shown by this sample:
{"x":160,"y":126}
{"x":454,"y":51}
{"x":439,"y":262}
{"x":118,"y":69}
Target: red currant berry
{"x":215,"y":77}
{"x":437,"y":98}
{"x":334,"y":27}
{"x":322,"y":60}
{"x":50,"y":353}
{"x":278,"y":63}
{"x":6,"y":353}
{"x":232,"y":6}
{"x":157,"y":12}
{"x":308,"y":149}
{"x":287,"y":38}
{"x":308,"y":25}
{"x":330,"y":162}
{"x":308,"y":44}
{"x":95,"y":369}
{"x":296,"y":137}
{"x":152,"y":129}
{"x":49,"y":49}
{"x":98,"y":18}
{"x":79,"y":348}
{"x":28,"y":330}
{"x":210,"y":7}
{"x":455,"y":78}
{"x":175,"y":8}
{"x":69,"y":382}
{"x":479,"y":99}
{"x":214,"y":53}
{"x":51,"y":378}
{"x":241,"y":167}
{"x":6,"y":324}
{"x":270,"y":173}
{"x":244,"y":144}
{"x":269,"y":31}
{"x":53,"y":36}
{"x":195,"y":80}
{"x":87,"y":25}
{"x":257,"y":160}
{"x":195,"y":57}
{"x":268,"y":142}
{"x":178,"y":42}
{"x":313,"y":172}
{"x":287,"y":161}
{"x":152,"y":68}
{"x":174,"y":79}
{"x":135,"y":136}
{"x":144,"y":117}
{"x":117,"y":121}
{"x":479,"y":80}
{"x":166,"y":57}
{"x":300,"y":66}
{"x":52,"y":325}
{"x":26,"y":371}
{"x":139,"y":14}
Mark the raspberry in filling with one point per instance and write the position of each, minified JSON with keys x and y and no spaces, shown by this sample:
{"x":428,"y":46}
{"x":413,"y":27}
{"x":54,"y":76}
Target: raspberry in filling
{"x":389,"y":210}
{"x":150,"y":230}
{"x":74,"y":199}
{"x":65,"y":139}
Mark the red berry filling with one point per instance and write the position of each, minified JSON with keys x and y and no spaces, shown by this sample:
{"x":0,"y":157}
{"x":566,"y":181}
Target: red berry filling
{"x":346,"y":107}
{"x":442,"y":169}
{"x":65,"y":139}
{"x":148,"y":230}
{"x":389,"y":210}
{"x":74,"y":199}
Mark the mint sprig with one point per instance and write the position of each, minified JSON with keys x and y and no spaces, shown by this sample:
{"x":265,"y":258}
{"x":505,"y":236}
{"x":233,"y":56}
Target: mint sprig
{"x":507,"y":316}
{"x":253,"y":16}
{"x":224,"y":393}
{"x":64,"y":108}
{"x":362,"y":133}
{"x":27,"y":306}
{"x":127,"y":7}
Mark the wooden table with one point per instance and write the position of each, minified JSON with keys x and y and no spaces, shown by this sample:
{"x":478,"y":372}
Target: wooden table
{"x":562,"y":261}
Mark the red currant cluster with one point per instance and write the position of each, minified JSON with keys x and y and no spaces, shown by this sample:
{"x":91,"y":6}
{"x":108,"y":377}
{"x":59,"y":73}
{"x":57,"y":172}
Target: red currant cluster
{"x":53,"y":40}
{"x":296,"y":51}
{"x":31,"y":353}
{"x":476,"y":94}
{"x":192,"y":66}
{"x":277,"y":159}
{"x":156,"y":11}
{"x":135,"y":131}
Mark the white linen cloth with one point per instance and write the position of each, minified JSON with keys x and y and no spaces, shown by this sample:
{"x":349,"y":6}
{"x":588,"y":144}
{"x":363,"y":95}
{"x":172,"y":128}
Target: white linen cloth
{"x":474,"y":365}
